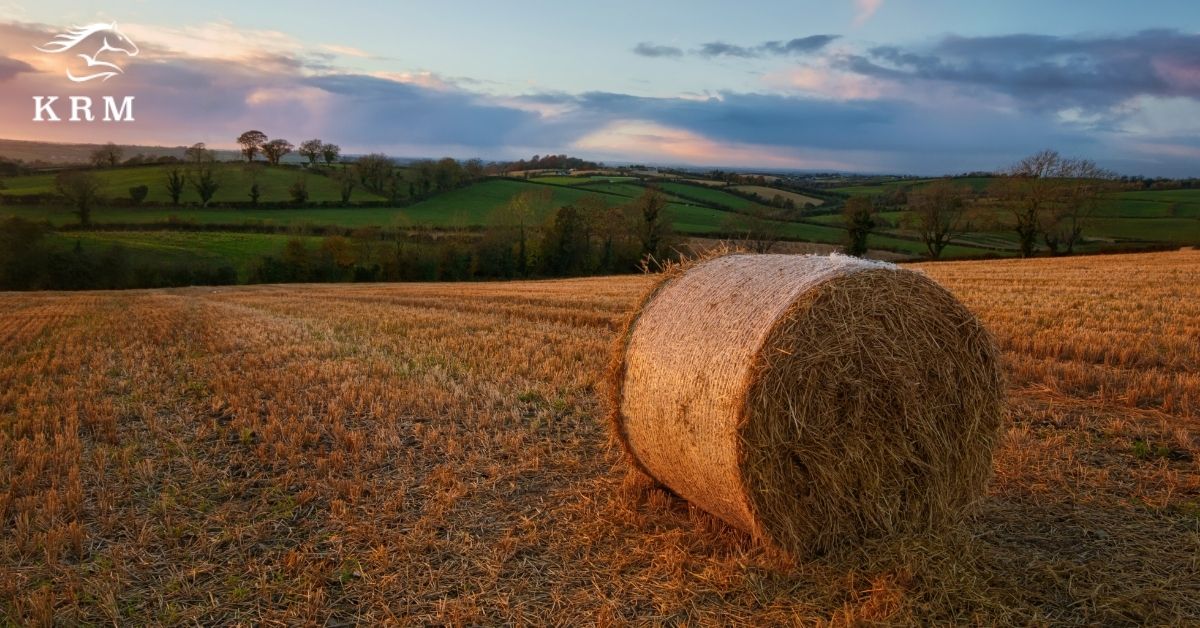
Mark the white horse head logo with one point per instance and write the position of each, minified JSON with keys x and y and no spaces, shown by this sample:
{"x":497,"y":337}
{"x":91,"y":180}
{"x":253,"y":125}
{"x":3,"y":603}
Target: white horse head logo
{"x":113,"y":41}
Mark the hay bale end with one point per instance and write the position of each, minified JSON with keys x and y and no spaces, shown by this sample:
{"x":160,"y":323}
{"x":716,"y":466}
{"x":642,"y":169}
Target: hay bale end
{"x":809,"y":400}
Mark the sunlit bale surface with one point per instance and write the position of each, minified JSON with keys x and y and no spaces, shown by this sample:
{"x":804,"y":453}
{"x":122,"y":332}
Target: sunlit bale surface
{"x":812,"y":401}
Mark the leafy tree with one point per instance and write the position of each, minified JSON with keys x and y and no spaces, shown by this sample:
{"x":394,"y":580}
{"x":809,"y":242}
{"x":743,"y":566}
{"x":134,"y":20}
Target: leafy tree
{"x":653,"y":228}
{"x":859,"y":216}
{"x":251,"y":142}
{"x":339,"y":251}
{"x":175,"y":184}
{"x":254,"y":171}
{"x":447,"y":174}
{"x":296,"y":259}
{"x":311,"y":150}
{"x":937,"y":212}
{"x":138,"y":193}
{"x":299,"y":190}
{"x":275,"y":150}
{"x":517,"y":215}
{"x":81,"y":189}
{"x":330,"y":152}
{"x":564,"y":244}
{"x":107,"y":155}
{"x":22,"y":254}
{"x":203,"y":179}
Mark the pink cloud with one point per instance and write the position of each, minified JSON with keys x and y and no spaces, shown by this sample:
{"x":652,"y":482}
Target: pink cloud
{"x":638,"y":139}
{"x":864,"y":10}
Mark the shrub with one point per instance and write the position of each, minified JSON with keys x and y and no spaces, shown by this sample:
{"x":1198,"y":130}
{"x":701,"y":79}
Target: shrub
{"x":138,"y":193}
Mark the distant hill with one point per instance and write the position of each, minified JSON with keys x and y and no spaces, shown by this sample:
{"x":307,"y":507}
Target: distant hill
{"x":55,"y":153}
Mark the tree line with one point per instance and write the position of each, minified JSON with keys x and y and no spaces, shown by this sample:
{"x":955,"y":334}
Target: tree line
{"x":585,"y":238}
{"x":525,"y":239}
{"x":1045,"y":199}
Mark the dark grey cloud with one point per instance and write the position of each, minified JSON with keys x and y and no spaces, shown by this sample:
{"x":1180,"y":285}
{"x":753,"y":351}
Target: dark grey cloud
{"x":722,"y":49}
{"x":9,"y":68}
{"x":715,"y":49}
{"x":647,"y":49}
{"x":800,"y":45}
{"x":1093,"y":73}
{"x":888,"y":134}
{"x":380,"y":111}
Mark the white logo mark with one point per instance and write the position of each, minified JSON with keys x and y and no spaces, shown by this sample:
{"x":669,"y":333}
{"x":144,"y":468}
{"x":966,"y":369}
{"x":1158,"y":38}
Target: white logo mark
{"x":113,"y":41}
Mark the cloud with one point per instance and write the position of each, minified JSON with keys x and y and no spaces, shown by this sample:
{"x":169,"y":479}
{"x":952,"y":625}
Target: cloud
{"x":347,"y":51}
{"x":864,"y":10}
{"x":639,"y":139}
{"x":647,"y":49}
{"x":714,"y":49}
{"x":1093,"y":74}
{"x":800,"y":45}
{"x":722,"y":49}
{"x":843,"y":110}
{"x":10,"y":68}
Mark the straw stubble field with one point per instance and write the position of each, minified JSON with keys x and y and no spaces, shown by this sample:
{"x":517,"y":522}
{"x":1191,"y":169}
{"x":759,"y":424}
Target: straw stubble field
{"x":437,"y":454}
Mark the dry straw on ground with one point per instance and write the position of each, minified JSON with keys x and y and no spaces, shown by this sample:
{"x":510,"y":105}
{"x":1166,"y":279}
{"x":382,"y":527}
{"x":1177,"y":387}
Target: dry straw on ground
{"x":810,"y":400}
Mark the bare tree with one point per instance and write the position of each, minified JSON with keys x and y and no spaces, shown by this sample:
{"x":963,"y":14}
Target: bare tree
{"x":1078,"y":195}
{"x":752,"y":229}
{"x":81,"y":189}
{"x":345,"y":181}
{"x":107,"y":155}
{"x":311,"y":150}
{"x":275,"y":150}
{"x":251,"y":142}
{"x":937,"y":212}
{"x":1052,"y":196}
{"x":374,"y":171}
{"x":198,"y":153}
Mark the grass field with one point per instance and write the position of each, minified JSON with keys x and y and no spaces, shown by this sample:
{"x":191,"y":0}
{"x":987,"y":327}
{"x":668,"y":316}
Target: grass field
{"x":977,"y":184}
{"x":707,"y":195}
{"x":478,"y":204}
{"x":164,"y":248}
{"x":235,"y":180}
{"x":768,"y":193}
{"x":337,"y":216}
{"x":436,"y":454}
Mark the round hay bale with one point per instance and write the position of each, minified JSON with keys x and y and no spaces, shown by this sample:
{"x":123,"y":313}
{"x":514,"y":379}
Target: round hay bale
{"x":809,"y":400}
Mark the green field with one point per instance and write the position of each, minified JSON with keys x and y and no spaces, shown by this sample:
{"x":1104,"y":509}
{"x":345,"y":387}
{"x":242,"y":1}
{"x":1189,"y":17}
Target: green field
{"x":338,"y":216}
{"x":481,"y":204}
{"x":166,"y":248}
{"x":977,"y":184}
{"x":1169,"y":216}
{"x":707,"y":195}
{"x":235,"y":180}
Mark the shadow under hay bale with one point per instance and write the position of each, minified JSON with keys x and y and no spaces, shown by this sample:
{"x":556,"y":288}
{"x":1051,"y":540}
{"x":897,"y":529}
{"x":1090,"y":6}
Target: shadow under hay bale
{"x":810,"y":401}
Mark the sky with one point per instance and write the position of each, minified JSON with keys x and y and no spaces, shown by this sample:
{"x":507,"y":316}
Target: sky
{"x":903,"y":86}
